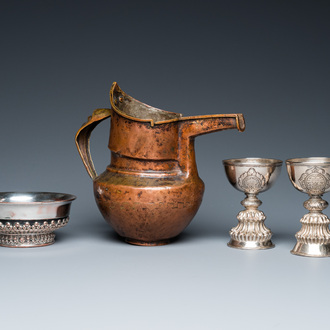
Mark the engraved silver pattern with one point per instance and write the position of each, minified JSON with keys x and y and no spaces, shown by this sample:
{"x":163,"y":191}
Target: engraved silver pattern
{"x":315,"y":180}
{"x":251,"y":181}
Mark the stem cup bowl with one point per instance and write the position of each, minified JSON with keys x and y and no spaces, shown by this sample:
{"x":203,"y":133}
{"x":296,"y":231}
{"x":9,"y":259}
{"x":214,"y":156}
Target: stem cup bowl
{"x":310,"y":175}
{"x":28,"y":219}
{"x":252,"y":175}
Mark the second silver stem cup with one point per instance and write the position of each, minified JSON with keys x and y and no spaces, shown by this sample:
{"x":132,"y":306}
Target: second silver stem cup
{"x":312,"y":176}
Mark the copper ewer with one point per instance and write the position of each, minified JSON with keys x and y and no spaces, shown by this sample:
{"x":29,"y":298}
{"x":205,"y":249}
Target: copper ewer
{"x":151,"y":190}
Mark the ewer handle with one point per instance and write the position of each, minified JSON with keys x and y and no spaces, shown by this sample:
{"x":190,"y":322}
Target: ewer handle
{"x":83,"y":138}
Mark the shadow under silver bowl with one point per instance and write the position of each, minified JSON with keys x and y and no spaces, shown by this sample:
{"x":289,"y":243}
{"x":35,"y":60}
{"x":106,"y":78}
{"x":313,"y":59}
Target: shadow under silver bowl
{"x":28,"y":219}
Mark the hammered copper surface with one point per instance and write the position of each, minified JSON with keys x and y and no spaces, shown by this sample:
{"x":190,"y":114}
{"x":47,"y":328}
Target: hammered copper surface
{"x":151,"y":190}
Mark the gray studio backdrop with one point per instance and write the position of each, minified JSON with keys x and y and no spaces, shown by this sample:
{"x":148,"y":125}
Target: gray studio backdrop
{"x":266,"y":59}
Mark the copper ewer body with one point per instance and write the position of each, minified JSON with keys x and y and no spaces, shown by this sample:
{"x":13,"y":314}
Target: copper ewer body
{"x":151,"y":190}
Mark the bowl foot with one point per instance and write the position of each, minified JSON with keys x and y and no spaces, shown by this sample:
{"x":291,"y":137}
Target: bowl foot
{"x":311,"y":250}
{"x":144,"y":243}
{"x":250,"y":245}
{"x":27,"y":240}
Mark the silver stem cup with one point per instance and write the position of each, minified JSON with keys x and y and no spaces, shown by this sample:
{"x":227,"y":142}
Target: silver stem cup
{"x":29,"y":219}
{"x":312,"y":176}
{"x":251,"y":176}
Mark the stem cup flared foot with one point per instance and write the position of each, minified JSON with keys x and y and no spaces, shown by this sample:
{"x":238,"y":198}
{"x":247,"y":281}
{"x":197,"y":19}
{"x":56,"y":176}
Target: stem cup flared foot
{"x":311,"y":250}
{"x":313,"y":239}
{"x":251,"y":232}
{"x":251,"y":245}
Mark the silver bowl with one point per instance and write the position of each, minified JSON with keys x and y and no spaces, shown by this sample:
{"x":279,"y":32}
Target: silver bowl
{"x":312,"y":176}
{"x":252,"y":176}
{"x":28,"y":219}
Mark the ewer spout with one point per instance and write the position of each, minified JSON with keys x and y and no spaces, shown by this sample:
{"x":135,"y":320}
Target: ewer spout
{"x":190,"y":127}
